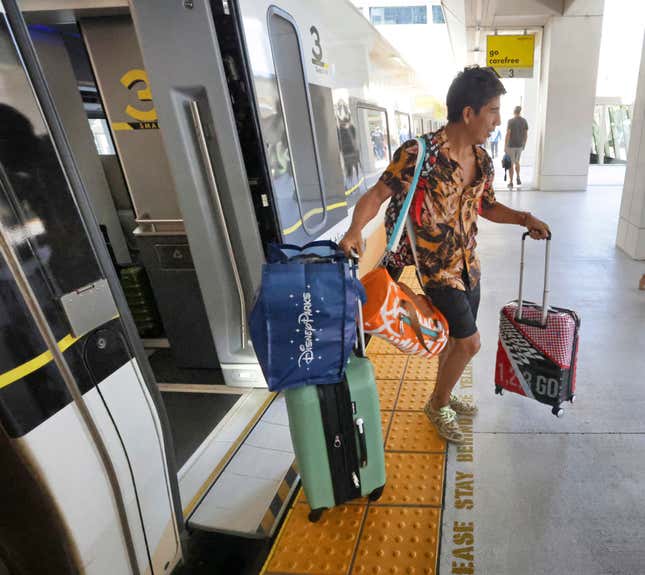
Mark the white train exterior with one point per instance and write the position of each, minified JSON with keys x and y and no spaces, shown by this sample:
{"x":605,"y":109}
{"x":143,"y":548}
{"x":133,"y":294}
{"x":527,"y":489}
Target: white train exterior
{"x":275,"y":117}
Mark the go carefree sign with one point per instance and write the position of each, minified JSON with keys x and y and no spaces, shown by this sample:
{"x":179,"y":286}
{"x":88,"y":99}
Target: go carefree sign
{"x":511,"y":56}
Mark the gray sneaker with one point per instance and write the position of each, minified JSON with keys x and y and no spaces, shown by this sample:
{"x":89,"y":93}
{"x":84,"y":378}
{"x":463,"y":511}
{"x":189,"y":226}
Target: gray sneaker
{"x":445,"y":420}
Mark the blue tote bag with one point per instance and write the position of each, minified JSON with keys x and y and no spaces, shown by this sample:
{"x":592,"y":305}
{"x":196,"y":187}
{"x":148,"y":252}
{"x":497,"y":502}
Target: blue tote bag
{"x":303,"y":322}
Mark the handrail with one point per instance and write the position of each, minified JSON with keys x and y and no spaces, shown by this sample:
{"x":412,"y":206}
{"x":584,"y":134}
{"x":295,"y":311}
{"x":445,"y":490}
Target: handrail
{"x":212,"y":182}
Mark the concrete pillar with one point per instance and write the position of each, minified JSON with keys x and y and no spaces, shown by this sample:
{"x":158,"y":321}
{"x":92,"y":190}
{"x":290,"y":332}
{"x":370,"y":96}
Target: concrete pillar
{"x":571,"y":46}
{"x":631,"y":225}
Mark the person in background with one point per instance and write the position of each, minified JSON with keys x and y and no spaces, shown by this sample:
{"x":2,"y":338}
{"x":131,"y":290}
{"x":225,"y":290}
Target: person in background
{"x":517,"y":131}
{"x":455,"y":185}
{"x":641,"y":284}
{"x":493,"y":140}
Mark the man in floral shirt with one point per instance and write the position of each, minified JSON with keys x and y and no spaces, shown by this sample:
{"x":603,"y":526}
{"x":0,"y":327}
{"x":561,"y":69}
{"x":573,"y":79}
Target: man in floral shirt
{"x":454,"y":186}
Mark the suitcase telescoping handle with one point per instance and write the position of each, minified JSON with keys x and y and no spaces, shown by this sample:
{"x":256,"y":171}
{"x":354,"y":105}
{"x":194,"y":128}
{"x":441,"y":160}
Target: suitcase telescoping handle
{"x":353,"y":266}
{"x":360,"y":422}
{"x":545,"y":297}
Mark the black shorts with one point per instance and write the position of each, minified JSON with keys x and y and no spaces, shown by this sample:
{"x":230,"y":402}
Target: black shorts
{"x":459,"y":308}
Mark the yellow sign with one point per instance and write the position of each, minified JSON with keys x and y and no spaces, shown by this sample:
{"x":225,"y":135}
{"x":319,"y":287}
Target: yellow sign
{"x":511,"y":56}
{"x":146,"y":119}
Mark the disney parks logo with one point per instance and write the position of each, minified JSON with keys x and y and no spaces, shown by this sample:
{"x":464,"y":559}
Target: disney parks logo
{"x":306,"y":320}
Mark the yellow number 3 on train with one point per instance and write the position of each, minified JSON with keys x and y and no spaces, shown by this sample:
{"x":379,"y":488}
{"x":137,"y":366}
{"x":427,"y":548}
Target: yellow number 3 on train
{"x":129,"y":79}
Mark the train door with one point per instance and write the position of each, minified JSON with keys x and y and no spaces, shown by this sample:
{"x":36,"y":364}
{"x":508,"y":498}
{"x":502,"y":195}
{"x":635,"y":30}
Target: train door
{"x":87,"y":478}
{"x":197,"y":207}
{"x":252,"y":145}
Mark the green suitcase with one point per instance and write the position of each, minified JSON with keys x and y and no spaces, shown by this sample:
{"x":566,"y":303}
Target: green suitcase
{"x":337,"y":438}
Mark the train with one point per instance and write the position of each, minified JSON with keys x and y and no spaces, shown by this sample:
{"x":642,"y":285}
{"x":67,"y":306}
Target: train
{"x":149,"y":153}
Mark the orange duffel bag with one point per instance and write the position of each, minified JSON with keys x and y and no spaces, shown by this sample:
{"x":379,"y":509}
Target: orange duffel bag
{"x":407,"y":320}
{"x":393,"y":311}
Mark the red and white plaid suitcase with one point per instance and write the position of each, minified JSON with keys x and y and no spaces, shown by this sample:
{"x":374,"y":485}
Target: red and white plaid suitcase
{"x":538,"y":347}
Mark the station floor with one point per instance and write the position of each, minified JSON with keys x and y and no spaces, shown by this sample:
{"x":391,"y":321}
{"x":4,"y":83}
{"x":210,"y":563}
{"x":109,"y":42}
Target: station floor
{"x":532,"y":494}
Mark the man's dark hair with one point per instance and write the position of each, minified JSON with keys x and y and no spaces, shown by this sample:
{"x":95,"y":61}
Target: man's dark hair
{"x":518,"y":110}
{"x":473,"y":87}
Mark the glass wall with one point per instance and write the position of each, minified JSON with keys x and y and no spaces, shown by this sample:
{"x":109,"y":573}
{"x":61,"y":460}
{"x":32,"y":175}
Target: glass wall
{"x":610,"y":134}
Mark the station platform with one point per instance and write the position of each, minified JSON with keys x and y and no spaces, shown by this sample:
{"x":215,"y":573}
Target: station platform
{"x":532,"y":493}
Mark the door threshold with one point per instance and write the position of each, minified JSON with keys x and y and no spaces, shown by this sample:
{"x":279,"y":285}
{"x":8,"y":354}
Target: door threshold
{"x":252,"y":492}
{"x":203,"y":388}
{"x":200,"y":471}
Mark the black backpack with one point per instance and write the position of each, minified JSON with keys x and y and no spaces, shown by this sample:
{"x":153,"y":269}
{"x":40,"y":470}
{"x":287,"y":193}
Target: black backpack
{"x":506,"y":164}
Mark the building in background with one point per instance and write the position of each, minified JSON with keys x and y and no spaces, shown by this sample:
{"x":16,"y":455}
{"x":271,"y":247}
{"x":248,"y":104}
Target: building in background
{"x":419,"y":32}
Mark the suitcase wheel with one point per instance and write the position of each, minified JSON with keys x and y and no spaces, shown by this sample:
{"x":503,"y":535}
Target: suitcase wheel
{"x":316,"y":514}
{"x":557,"y":411}
{"x":572,"y":399}
{"x":376,"y":494}
{"x":499,"y":390}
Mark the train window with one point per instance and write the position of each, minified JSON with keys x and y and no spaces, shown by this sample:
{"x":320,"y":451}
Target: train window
{"x":301,"y":148}
{"x":375,"y":140}
{"x":403,"y":126}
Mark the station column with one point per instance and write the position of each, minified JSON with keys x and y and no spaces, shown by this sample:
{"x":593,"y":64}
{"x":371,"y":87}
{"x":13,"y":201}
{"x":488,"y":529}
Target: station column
{"x":631,"y":226}
{"x":571,"y":46}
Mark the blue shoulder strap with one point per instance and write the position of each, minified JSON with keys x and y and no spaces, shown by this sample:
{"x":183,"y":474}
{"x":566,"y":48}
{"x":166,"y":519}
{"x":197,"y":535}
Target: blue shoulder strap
{"x":397,"y":231}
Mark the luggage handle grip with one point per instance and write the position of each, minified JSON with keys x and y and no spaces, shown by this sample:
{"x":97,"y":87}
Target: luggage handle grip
{"x":362,"y":441}
{"x":545,"y":296}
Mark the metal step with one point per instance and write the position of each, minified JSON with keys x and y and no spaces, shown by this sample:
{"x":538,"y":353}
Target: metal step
{"x":252,"y":492}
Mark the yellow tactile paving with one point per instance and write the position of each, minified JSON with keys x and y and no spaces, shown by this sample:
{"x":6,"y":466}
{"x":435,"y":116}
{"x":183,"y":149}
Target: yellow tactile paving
{"x":379,"y":346}
{"x":414,"y":394}
{"x":410,"y":279}
{"x":389,"y":366}
{"x":412,"y":431}
{"x":408,"y":272}
{"x":413,"y":479}
{"x":388,"y":390}
{"x":302,"y":498}
{"x":325,"y":547}
{"x":422,"y":368}
{"x":398,"y":534}
{"x":386,"y":416}
{"x":398,"y":541}
{"x":414,"y":286}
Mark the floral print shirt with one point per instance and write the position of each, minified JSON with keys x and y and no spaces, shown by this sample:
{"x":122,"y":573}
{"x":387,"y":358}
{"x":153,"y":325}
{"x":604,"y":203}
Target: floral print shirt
{"x":443,"y":210}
